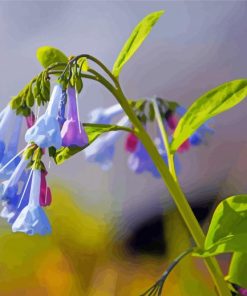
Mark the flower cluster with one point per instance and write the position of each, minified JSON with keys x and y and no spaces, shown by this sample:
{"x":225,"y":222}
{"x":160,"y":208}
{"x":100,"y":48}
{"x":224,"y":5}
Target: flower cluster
{"x":139,"y":161}
{"x":24,"y":191}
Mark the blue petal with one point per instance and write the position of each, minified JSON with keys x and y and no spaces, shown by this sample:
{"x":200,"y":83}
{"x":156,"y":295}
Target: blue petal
{"x":45,"y":132}
{"x":104,"y":116}
{"x":32,"y":220}
{"x":2,"y":149}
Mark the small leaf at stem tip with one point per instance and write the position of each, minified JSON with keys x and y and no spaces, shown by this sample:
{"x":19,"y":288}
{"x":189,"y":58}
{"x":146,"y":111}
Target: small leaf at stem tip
{"x":48,"y":55}
{"x":228,"y":228}
{"x":210,"y":104}
{"x":83,"y":64}
{"x":138,"y":35}
{"x":93,"y":131}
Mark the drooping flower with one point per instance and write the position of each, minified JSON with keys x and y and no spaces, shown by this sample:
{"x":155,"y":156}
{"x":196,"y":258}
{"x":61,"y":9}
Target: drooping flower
{"x":11,"y":150}
{"x":45,"y":192}
{"x":9,"y":188}
{"x":30,"y":120}
{"x":14,"y":205}
{"x":9,"y":121}
{"x":73,"y":133}
{"x":140,"y":161}
{"x":102,"y":149}
{"x":32,"y":219}
{"x":46,"y":130}
{"x":105,"y":115}
{"x":6,"y":117}
{"x":131,"y":142}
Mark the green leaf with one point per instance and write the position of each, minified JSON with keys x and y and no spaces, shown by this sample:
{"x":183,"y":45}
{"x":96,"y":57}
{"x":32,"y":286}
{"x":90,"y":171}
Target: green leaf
{"x":138,"y":35}
{"x":93,"y":131}
{"x":48,"y":55}
{"x":237,"y":270}
{"x":29,"y":99}
{"x":78,"y":84}
{"x":210,"y":104}
{"x":83,"y":64}
{"x":15,"y":102}
{"x":228,"y":228}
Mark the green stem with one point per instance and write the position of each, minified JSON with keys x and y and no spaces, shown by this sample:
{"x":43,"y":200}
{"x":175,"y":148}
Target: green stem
{"x":169,"y":179}
{"x":176,"y":192}
{"x":170,"y":156}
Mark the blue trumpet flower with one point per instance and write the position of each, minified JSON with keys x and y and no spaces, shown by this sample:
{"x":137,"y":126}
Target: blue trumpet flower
{"x":7,"y":170}
{"x":102,"y":149}
{"x":72,"y":133}
{"x":105,"y":115}
{"x":46,"y":131}
{"x":7,"y":117}
{"x":139,"y":161}
{"x":14,"y":205}
{"x":9,"y":188}
{"x":32,"y":218}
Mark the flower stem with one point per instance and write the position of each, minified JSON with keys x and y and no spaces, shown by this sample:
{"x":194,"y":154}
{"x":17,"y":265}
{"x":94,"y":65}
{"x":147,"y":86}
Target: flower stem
{"x":165,"y":139}
{"x":175,"y":191}
{"x":169,"y":177}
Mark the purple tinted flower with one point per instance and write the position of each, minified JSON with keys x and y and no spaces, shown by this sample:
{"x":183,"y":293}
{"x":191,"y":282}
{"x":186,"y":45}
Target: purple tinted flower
{"x":32,"y":219}
{"x":102,"y":149}
{"x":140,"y":161}
{"x":30,"y":120}
{"x":46,"y":130}
{"x":105,"y":115}
{"x":72,"y":133}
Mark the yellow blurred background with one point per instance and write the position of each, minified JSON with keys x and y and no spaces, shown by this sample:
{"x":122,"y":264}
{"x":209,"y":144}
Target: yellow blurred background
{"x":83,"y":257}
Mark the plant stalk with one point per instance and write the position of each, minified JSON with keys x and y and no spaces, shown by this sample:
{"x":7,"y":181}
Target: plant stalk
{"x":175,"y":191}
{"x":169,"y":177}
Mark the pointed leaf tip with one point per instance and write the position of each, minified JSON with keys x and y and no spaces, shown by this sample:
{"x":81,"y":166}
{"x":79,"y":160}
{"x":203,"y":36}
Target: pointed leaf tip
{"x":138,"y":35}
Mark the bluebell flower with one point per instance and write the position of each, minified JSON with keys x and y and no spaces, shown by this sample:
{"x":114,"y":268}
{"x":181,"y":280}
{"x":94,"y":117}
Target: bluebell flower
{"x":7,"y":117}
{"x":102,"y":149}
{"x":9,"y":188}
{"x":139,"y":160}
{"x":105,"y":115}
{"x":73,"y":133}
{"x":46,"y":130}
{"x":14,"y":205}
{"x":32,"y":219}
{"x":11,"y":151}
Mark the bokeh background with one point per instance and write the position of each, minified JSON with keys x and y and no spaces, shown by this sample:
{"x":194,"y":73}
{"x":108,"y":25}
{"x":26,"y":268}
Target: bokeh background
{"x":103,"y":221}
